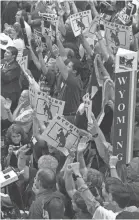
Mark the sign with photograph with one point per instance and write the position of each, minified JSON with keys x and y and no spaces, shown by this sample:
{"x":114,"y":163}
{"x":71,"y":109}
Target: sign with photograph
{"x":80,"y":22}
{"x":61,"y":134}
{"x":117,"y":36}
{"x":48,"y":107}
{"x":126,"y":60}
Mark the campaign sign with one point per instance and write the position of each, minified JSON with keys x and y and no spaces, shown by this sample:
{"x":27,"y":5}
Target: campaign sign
{"x":48,"y":107}
{"x":61,"y":134}
{"x":117,"y":36}
{"x":126,"y":60}
{"x":80,"y":22}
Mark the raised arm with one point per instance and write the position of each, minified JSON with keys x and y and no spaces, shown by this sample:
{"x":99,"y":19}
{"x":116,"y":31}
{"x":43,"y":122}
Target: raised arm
{"x":34,"y":58}
{"x":102,"y":44}
{"x":80,"y":156}
{"x":86,"y":45}
{"x":101,"y":143}
{"x":93,"y":8}
{"x":73,"y":7}
{"x":69,"y":183}
{"x":88,"y":197}
{"x":112,"y":163}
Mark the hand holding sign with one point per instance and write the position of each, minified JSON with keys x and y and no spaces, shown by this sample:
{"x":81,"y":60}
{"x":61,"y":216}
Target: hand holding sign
{"x":113,"y":161}
{"x":82,"y":144}
{"x":55,"y":50}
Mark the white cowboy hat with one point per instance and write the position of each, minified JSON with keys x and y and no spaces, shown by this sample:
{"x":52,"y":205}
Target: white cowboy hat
{"x":5,"y":41}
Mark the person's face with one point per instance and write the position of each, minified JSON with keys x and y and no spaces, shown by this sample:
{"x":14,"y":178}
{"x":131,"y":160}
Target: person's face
{"x":18,"y":16}
{"x":70,"y":68}
{"x":52,"y":68}
{"x":16,"y":138}
{"x":8,"y":55}
{"x":13,"y":34}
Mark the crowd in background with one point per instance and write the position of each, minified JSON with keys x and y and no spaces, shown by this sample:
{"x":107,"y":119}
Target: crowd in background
{"x":88,"y":183}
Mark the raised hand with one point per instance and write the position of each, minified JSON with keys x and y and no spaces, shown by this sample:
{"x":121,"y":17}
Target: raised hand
{"x":113,"y":161}
{"x":82,"y":144}
{"x":7,"y":104}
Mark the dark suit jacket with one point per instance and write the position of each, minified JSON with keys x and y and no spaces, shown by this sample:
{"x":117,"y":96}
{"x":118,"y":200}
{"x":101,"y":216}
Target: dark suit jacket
{"x":10,"y":74}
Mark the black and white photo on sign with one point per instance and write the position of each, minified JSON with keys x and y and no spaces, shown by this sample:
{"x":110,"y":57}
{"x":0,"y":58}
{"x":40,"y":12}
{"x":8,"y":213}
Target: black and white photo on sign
{"x":117,"y":36}
{"x":88,"y":109}
{"x":80,"y":22}
{"x":126,"y":60}
{"x":48,"y":107}
{"x":61,"y":134}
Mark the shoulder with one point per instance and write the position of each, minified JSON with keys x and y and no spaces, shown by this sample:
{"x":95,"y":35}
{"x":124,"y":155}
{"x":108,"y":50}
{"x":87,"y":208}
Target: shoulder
{"x":102,"y":213}
{"x":74,"y":81}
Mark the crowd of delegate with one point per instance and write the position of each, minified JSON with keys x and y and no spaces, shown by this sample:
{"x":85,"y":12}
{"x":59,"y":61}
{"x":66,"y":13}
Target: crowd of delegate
{"x":88,"y":183}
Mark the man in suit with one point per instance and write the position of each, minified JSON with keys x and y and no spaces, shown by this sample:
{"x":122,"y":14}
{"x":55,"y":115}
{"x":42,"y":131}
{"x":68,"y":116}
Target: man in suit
{"x":10,"y":74}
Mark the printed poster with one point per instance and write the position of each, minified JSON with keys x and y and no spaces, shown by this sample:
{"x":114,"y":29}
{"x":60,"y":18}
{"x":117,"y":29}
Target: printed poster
{"x":61,"y":134}
{"x":48,"y":16}
{"x":47,"y":107}
{"x":117,"y":36}
{"x":23,"y":62}
{"x":126,"y":60}
{"x":80,"y":22}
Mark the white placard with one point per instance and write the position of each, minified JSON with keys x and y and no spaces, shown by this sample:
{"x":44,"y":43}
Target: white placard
{"x":23,"y":62}
{"x":123,"y":17}
{"x":88,"y":109}
{"x":93,"y":91}
{"x":136,"y":2}
{"x":126,"y":60}
{"x":7,"y":178}
{"x":61,"y":134}
{"x":48,"y":107}
{"x":48,"y":16}
{"x":117,"y":36}
{"x":80,"y":22}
